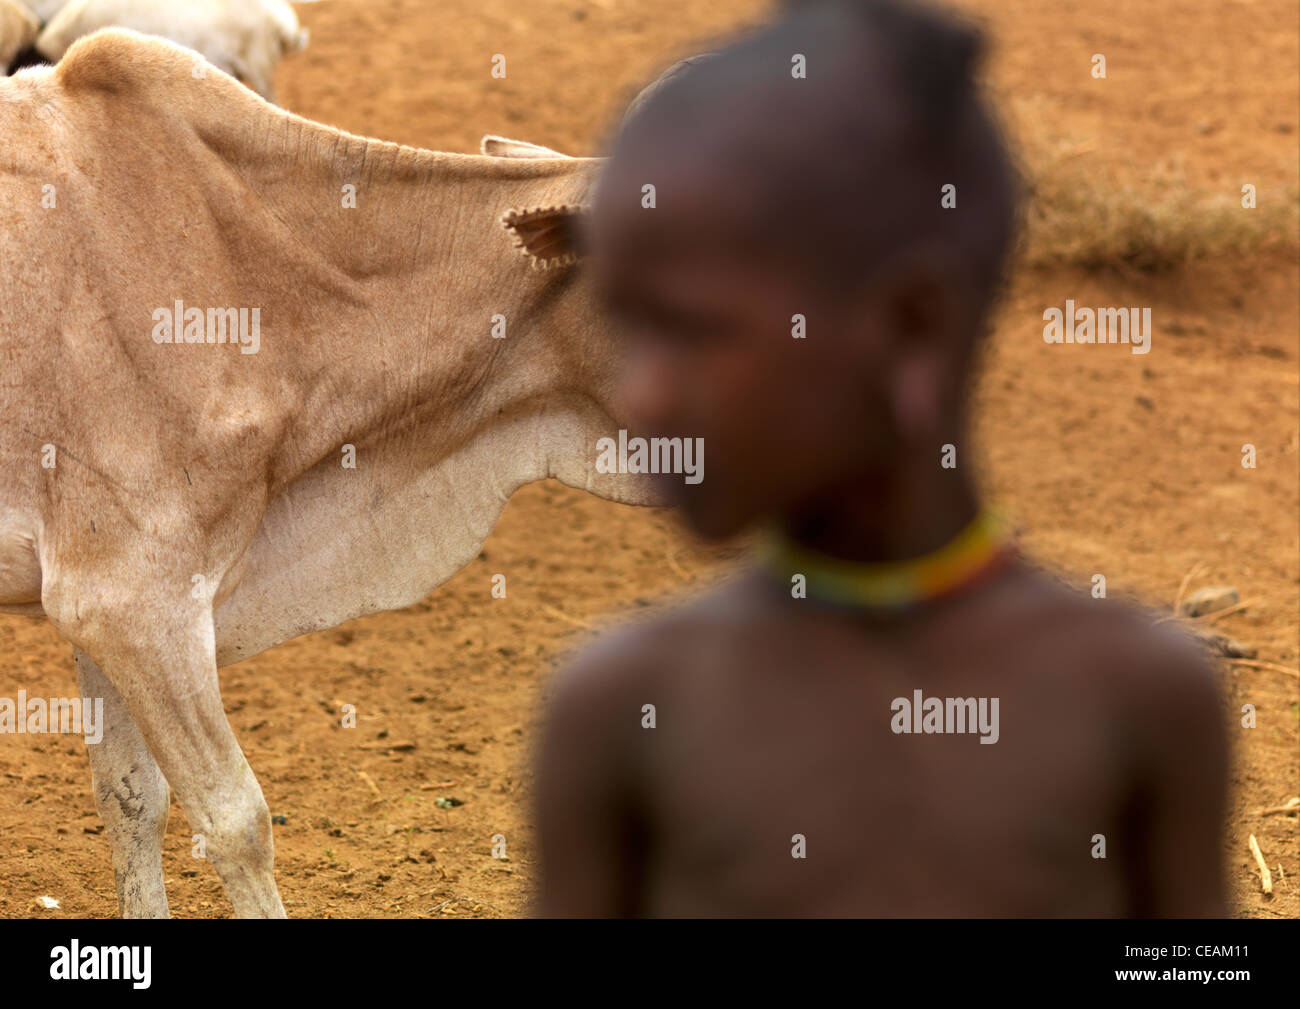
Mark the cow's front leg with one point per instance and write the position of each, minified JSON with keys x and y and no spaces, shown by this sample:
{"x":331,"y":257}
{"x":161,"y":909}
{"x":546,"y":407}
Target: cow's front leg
{"x":172,"y":690}
{"x":165,"y":669}
{"x":131,"y":795}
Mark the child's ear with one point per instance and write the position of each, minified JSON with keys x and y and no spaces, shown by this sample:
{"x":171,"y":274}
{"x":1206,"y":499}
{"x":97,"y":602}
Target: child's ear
{"x":923,"y":301}
{"x":549,"y":236}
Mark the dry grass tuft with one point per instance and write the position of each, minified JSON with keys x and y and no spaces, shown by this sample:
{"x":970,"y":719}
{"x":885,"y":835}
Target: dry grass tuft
{"x":1089,"y":211}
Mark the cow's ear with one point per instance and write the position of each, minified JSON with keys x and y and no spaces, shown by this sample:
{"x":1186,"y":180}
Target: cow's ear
{"x":502,"y":147}
{"x":549,"y":236}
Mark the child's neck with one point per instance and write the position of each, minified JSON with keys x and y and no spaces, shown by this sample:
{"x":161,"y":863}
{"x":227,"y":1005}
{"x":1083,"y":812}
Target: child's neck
{"x":886,"y":522}
{"x":890,"y":560}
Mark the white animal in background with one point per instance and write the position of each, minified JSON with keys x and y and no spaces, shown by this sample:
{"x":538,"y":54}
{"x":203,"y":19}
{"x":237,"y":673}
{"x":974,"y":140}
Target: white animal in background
{"x":245,"y":38}
{"x":45,"y":9}
{"x":18,"y":26}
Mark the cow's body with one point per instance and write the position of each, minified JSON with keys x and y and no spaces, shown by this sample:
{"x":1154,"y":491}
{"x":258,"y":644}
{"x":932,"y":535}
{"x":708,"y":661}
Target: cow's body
{"x":199,"y":509}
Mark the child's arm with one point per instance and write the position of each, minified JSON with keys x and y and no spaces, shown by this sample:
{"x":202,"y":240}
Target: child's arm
{"x":1184,"y":794}
{"x":589,"y":854}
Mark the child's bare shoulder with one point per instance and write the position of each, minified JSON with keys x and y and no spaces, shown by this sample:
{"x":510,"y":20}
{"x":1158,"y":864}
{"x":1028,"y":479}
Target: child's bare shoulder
{"x":1134,"y":651}
{"x":630,"y":658}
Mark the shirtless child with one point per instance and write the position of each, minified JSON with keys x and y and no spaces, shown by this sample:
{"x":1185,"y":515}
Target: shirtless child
{"x":790,"y":763}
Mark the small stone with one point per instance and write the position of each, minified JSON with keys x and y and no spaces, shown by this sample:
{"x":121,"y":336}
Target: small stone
{"x":1228,"y":647}
{"x":1209,"y":600}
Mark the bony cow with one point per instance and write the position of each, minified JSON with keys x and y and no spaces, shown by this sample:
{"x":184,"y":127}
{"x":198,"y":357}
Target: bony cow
{"x":173,"y":508}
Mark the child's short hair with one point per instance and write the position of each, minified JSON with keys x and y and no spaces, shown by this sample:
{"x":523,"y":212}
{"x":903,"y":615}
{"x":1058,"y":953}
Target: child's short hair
{"x":844,"y":181}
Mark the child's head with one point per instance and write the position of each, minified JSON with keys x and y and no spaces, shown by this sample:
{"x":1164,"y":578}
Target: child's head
{"x":802,"y":173}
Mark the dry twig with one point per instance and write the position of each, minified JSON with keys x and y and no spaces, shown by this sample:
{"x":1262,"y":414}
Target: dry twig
{"x":1266,"y":665}
{"x":1265,"y":877}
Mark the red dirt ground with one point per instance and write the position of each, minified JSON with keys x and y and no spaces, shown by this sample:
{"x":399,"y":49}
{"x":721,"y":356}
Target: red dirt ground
{"x":1111,"y":463}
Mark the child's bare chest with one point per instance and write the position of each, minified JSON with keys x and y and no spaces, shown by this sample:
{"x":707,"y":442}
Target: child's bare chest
{"x":875,"y":786}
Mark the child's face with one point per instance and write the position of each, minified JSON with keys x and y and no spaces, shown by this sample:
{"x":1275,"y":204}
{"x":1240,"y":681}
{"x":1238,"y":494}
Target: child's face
{"x":709,"y":350}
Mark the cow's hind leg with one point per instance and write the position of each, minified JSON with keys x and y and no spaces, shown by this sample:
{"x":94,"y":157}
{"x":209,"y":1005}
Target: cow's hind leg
{"x":132,"y":798}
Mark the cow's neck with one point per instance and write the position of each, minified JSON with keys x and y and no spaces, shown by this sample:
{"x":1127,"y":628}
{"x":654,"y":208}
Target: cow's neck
{"x":399,"y":361}
{"x":404,"y":293}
